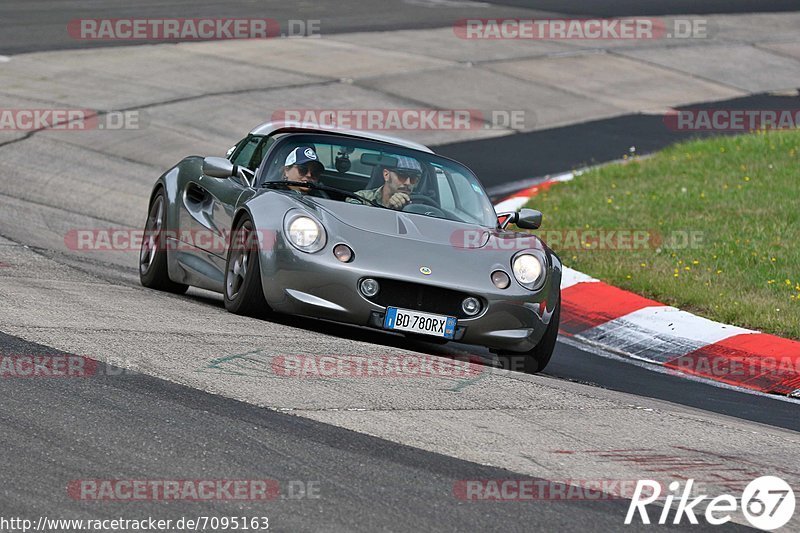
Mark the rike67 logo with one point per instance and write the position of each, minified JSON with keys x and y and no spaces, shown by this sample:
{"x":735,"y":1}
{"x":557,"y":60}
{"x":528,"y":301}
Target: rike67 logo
{"x":767,"y":502}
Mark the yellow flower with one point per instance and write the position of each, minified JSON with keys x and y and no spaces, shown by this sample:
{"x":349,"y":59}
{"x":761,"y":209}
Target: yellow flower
{"x":695,"y":262}
{"x":687,"y":268}
{"x":747,"y":178}
{"x":719,"y":271}
{"x":645,"y":264}
{"x":770,"y":281}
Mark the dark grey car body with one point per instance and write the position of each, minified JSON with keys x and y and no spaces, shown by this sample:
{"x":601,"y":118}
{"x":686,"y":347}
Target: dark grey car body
{"x":420,"y":261}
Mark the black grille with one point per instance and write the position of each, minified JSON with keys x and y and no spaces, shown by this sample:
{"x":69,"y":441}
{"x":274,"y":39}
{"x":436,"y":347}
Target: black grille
{"x":418,"y":297}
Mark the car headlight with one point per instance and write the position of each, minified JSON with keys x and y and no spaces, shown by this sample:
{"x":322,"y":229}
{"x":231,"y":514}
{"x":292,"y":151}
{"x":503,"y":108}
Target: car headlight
{"x":528,"y":269}
{"x":305,"y":233}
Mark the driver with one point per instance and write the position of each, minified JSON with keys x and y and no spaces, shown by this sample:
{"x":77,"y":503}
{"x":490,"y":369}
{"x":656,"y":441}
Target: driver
{"x":398,"y":184}
{"x":302,"y":164}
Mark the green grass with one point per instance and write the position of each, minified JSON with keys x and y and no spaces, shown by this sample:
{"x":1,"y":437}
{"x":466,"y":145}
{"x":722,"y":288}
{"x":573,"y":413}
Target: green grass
{"x":741,"y":195}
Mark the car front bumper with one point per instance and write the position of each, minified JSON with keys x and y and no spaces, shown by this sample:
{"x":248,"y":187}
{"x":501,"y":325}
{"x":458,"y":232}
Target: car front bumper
{"x":320,"y":286}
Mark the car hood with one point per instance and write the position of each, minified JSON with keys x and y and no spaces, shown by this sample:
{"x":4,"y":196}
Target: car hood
{"x":407,"y":225}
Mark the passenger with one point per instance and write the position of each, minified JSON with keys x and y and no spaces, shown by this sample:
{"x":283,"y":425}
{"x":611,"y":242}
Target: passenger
{"x":398,"y":184}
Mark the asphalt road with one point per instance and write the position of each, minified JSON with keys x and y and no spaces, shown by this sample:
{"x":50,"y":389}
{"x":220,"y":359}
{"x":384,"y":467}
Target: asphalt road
{"x":574,"y":363}
{"x":34,"y":25}
{"x":125,"y":425}
{"x":621,"y":8}
{"x":42,"y":25}
{"x":567,"y":148}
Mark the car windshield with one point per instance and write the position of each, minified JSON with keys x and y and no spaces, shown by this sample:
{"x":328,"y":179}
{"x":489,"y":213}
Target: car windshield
{"x":427,"y":184}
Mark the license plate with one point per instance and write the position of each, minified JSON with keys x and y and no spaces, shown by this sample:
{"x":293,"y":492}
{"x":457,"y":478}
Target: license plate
{"x":417,"y":322}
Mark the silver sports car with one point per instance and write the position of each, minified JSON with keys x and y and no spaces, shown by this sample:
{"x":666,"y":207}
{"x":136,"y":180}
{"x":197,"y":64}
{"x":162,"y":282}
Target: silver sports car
{"x":359,"y":228}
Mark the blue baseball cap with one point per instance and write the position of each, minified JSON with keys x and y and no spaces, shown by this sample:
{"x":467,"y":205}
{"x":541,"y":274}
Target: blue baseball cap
{"x":302,"y":155}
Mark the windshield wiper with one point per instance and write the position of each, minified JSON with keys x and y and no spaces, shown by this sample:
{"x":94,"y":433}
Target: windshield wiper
{"x":318,"y":187}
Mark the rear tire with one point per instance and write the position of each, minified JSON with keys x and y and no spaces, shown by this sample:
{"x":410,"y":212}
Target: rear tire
{"x":243,"y":293}
{"x":153,"y":271}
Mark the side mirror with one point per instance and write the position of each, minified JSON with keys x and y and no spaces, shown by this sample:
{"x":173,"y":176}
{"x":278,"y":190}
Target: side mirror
{"x":529,"y":219}
{"x":218,"y":167}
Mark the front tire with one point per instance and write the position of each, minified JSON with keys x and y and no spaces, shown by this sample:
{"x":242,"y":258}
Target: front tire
{"x":537,"y":359}
{"x":244,"y":294}
{"x":153,"y":271}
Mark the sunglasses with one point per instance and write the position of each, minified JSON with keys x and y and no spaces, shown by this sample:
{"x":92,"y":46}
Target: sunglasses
{"x":305,"y":169}
{"x":410,"y":176}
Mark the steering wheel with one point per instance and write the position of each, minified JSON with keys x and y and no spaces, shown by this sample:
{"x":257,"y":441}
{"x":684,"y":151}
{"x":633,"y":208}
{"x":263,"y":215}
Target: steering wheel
{"x":423,"y":205}
{"x":422,"y":199}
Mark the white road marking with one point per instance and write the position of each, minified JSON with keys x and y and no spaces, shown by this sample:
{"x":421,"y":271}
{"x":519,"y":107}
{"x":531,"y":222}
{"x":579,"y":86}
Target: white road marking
{"x":570,"y":277}
{"x":669,"y":321}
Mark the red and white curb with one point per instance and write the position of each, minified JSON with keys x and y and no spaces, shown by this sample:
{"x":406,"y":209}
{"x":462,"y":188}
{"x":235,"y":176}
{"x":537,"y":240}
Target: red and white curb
{"x":627,"y":324}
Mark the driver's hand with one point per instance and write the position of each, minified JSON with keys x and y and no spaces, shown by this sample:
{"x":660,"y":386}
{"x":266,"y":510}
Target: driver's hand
{"x":399,"y":200}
